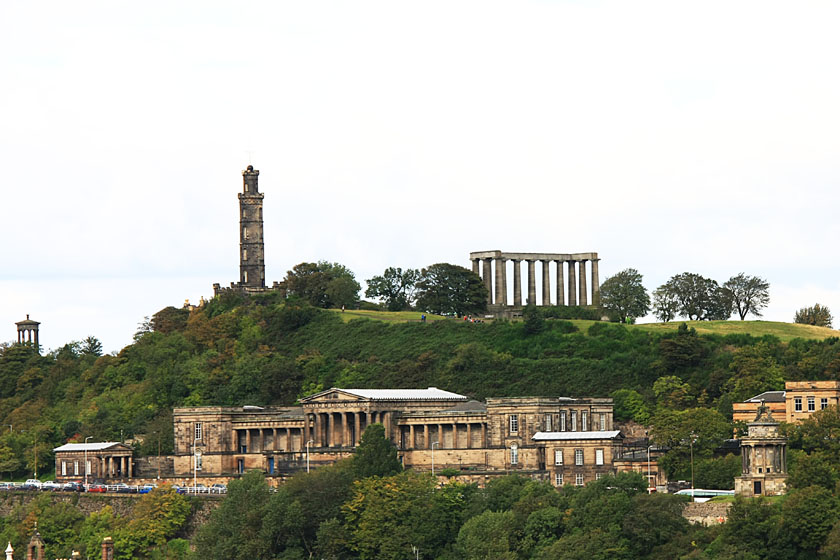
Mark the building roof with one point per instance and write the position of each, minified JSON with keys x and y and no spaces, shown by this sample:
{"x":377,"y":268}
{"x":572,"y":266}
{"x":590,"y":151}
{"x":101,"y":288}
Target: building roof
{"x":768,"y":396}
{"x":568,"y":436}
{"x":88,"y":446}
{"x":430,"y":394}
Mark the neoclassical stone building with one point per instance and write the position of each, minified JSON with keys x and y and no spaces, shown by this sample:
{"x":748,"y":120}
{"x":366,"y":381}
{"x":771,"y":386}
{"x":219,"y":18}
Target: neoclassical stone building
{"x":564,"y":439}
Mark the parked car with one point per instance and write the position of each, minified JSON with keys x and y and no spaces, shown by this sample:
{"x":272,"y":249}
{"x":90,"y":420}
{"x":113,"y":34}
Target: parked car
{"x":51,"y":486}
{"x":179,"y":489}
{"x":6,"y":486}
{"x":218,"y":489}
{"x":146,"y":488}
{"x":73,"y":486}
{"x":32,"y":484}
{"x":124,"y":488}
{"x":98,"y":488}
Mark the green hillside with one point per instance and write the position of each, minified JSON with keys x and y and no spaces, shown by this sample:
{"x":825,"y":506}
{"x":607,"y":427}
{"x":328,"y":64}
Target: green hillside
{"x":236,"y":351}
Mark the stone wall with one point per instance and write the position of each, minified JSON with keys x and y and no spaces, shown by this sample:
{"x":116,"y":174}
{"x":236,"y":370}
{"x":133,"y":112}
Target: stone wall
{"x":707,"y":513}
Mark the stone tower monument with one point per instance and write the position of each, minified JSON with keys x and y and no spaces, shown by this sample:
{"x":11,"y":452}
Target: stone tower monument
{"x":251,"y":246}
{"x":28,"y":332}
{"x":763,"y":457}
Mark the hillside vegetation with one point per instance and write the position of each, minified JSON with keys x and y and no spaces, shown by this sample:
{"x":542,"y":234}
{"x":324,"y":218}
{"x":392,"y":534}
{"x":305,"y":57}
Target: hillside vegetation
{"x":236,"y":351}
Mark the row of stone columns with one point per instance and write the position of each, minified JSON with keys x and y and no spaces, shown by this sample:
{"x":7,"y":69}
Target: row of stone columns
{"x":431,"y":433}
{"x":289,"y":435}
{"x":577,"y":283}
{"x":343,"y":429}
{"x":111,"y":465}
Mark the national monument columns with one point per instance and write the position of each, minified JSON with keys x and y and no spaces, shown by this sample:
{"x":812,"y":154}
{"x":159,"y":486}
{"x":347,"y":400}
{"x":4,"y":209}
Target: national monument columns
{"x":573,"y":289}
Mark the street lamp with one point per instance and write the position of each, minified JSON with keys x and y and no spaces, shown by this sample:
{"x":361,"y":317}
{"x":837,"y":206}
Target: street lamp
{"x":648,"y":461}
{"x":196,"y":459}
{"x":308,"y":443}
{"x":86,"y":462}
{"x":433,"y":456}
{"x":691,"y":450}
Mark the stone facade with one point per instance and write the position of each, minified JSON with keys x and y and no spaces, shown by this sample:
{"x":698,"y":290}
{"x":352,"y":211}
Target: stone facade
{"x":106,"y":461}
{"x":798,"y":401}
{"x":432,"y":429}
{"x":27,"y":332}
{"x":763,"y":458}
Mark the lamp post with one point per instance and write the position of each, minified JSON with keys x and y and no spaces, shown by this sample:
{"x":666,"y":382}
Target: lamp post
{"x":433,"y":456}
{"x":648,"y":462}
{"x":691,"y":450}
{"x":86,"y":462}
{"x":158,"y":435}
{"x":196,"y":458}
{"x":308,"y":443}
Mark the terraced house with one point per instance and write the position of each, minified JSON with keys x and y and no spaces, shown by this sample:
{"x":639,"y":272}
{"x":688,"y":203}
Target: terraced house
{"x":566,"y":440}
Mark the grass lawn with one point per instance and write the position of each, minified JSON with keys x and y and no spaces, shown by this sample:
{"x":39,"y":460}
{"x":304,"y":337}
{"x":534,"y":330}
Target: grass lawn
{"x":784,"y":331}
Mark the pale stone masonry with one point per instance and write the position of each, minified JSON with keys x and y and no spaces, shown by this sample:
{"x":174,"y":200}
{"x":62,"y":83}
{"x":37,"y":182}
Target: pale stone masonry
{"x":763,"y":457}
{"x":428,"y":426}
{"x":798,"y":401}
{"x":493,"y":269}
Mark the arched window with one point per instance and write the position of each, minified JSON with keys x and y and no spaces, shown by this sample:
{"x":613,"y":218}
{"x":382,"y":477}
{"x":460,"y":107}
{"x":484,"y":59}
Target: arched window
{"x":245,"y":233}
{"x":245,"y":276}
{"x":514,"y":454}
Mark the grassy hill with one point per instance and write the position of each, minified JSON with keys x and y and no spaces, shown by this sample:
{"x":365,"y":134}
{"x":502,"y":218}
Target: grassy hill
{"x":782,"y":331}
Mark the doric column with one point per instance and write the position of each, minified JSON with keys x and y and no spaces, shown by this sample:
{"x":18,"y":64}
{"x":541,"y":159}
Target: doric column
{"x":306,"y":436}
{"x":288,"y":446}
{"x":426,"y":436}
{"x":454,"y":436}
{"x":582,"y":283}
{"x":572,"y":285}
{"x":410,"y":437}
{"x":346,"y":421}
{"x":319,"y":430}
{"x":501,"y":296}
{"x":517,"y":283}
{"x":274,"y":446}
{"x":262,"y":439}
{"x":561,"y":297}
{"x":440,"y":436}
{"x":330,"y":430}
{"x":546,"y":300}
{"x":388,"y":432}
{"x":249,"y":443}
{"x":357,"y":417}
{"x":532,"y":285}
{"x":469,"y":435}
{"x":475,"y":266}
{"x":130,"y":466}
{"x":596,"y":286}
{"x":487,"y":275}
{"x":483,"y":434}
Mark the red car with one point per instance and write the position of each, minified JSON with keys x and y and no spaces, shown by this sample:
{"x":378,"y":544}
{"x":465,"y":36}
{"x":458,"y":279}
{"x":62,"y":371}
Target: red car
{"x":98,"y":488}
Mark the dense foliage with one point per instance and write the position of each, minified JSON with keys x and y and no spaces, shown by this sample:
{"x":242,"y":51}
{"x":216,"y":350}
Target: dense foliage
{"x":817,"y":314}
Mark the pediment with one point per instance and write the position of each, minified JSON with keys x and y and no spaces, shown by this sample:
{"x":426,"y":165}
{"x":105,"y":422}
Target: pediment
{"x":331,"y":396}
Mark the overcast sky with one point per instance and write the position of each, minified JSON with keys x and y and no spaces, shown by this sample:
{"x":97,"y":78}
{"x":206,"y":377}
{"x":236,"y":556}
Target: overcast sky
{"x":666,"y":136}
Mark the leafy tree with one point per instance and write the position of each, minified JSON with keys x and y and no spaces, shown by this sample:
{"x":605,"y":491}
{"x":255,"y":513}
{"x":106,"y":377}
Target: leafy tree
{"x":157,"y":517}
{"x":375,"y":455}
{"x":750,"y":294}
{"x":630,"y":405}
{"x":91,"y":346}
{"x":323,"y":284}
{"x":170,"y":319}
{"x":653,"y":520}
{"x":754,"y":370}
{"x":533,"y":319}
{"x":702,"y":429}
{"x":808,"y":516}
{"x":449,"y":289}
{"x":814,"y":469}
{"x":489,"y":536}
{"x":624,"y":295}
{"x":395,"y":286}
{"x":671,"y":392}
{"x":818,"y":315}
{"x":666,"y":306}
{"x":699,"y":298}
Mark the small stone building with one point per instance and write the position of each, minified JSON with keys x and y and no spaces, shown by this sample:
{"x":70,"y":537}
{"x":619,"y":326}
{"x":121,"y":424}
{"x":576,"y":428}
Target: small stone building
{"x":105,"y":460}
{"x":798,"y":401}
{"x":763,"y":457}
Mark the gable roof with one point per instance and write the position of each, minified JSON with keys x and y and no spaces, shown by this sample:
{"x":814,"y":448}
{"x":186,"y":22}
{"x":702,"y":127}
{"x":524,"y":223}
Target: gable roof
{"x":768,"y":396}
{"x":430,"y":394}
{"x":90,"y":446}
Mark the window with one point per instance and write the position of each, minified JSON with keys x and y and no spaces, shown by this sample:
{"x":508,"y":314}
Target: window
{"x":514,"y":423}
{"x":579,"y":479}
{"x":246,"y":187}
{"x":558,"y":456}
{"x":76,"y":468}
{"x":245,"y":233}
{"x":797,"y":404}
{"x":63,"y":468}
{"x":198,"y":460}
{"x":244,"y":213}
{"x":548,"y":422}
{"x":584,"y":425}
{"x":599,"y":456}
{"x":811,"y":404}
{"x":563,"y":421}
{"x":87,"y":468}
{"x":574,"y":420}
{"x":823,"y":403}
{"x":558,"y":479}
{"x":598,"y":476}
{"x":245,"y":276}
{"x":244,"y":254}
{"x":603,"y":421}
{"x":578,"y":457}
{"x":514,"y":454}
{"x":198,"y":430}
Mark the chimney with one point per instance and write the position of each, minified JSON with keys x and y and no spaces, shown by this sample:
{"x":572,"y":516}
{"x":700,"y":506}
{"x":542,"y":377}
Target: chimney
{"x":107,"y":548}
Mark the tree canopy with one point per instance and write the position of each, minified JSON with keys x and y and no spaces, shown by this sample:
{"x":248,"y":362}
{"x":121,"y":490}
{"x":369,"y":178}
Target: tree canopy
{"x":818,"y":315}
{"x":448,"y":289}
{"x":624,"y":295}
{"x":323,"y":284}
{"x":395,"y":287}
{"x":750,"y":294}
{"x":696,"y":298}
